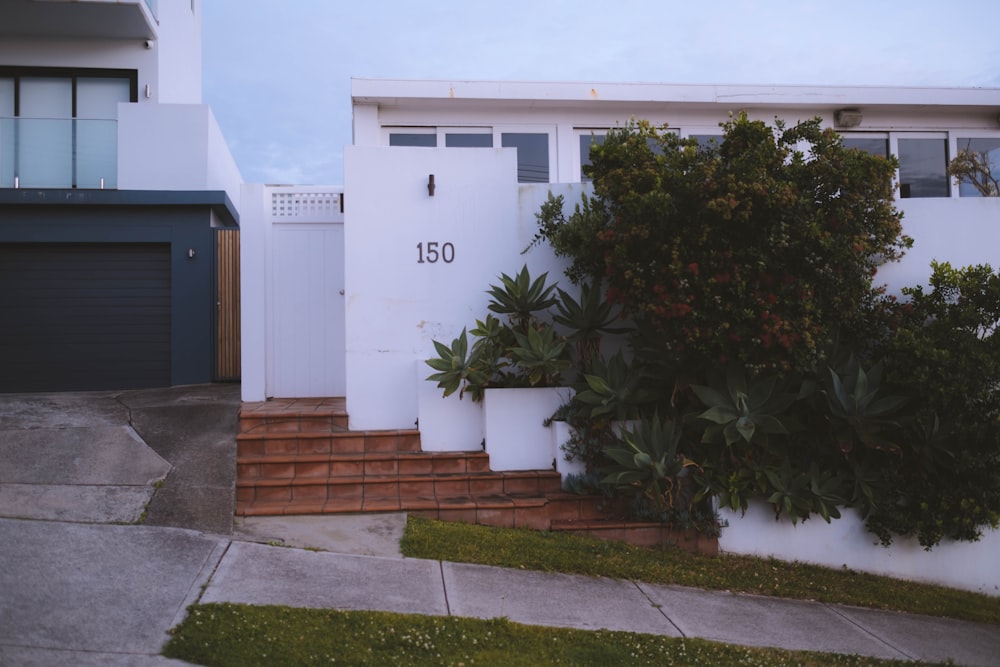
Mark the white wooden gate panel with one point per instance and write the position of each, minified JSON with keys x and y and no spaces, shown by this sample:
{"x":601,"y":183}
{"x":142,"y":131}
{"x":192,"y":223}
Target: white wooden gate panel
{"x":306,"y":298}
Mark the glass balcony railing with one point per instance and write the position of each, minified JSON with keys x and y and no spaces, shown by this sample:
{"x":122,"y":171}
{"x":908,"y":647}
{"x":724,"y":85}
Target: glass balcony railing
{"x":58,"y":153}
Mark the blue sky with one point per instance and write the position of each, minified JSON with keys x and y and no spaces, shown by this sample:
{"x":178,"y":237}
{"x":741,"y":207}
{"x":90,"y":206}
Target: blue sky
{"x":277,"y":73}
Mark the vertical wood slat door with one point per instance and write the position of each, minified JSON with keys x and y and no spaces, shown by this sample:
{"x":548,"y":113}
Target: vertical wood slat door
{"x":227,"y":366}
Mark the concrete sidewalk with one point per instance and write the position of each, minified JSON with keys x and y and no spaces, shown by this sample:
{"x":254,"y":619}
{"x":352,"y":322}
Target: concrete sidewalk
{"x":86,"y":594}
{"x":76,"y":589}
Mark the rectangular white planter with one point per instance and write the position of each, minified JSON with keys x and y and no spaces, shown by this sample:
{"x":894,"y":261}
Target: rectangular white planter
{"x":446,"y":424}
{"x":513,"y":424}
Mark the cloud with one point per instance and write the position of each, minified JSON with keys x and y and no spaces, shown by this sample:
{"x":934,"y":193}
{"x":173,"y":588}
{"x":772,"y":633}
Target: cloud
{"x":277,"y":74}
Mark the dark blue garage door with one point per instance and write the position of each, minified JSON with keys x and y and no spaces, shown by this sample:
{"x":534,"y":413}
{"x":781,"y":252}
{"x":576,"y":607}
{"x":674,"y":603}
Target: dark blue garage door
{"x":84,"y":316}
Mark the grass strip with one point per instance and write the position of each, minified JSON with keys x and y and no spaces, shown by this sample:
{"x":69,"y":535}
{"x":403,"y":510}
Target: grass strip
{"x":572,"y":554}
{"x":223,"y":635}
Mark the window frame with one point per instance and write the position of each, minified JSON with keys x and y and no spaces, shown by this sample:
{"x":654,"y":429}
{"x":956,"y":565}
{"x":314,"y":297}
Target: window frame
{"x":954,"y":136}
{"x":579,"y":133}
{"x":892,"y":141}
{"x":949,"y":145}
{"x":72,"y":73}
{"x":440,"y":133}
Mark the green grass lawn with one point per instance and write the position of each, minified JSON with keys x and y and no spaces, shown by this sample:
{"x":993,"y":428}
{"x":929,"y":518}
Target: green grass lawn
{"x":559,"y":552}
{"x":224,"y":635}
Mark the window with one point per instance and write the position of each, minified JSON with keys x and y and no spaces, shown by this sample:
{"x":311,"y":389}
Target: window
{"x":923,"y":159}
{"x":532,"y":155}
{"x":988,"y":150}
{"x":923,"y":164}
{"x":532,"y":147}
{"x":706,"y":140}
{"x":587,"y":139}
{"x":469,"y":139}
{"x":422,"y":139}
{"x":58,"y":128}
{"x":874,"y":144}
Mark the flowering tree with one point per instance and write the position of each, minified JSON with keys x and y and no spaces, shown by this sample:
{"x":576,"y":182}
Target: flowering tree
{"x":754,"y":249}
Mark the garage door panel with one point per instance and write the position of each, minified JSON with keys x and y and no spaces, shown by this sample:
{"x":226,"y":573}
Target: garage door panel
{"x":84,"y":316}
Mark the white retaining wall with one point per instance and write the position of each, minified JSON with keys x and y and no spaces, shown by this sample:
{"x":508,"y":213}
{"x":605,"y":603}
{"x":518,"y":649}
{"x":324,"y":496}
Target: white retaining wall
{"x":845,"y":542}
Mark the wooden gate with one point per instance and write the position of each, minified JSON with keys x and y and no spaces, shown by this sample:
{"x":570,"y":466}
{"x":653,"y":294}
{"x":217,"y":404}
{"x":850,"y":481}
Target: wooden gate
{"x":227,"y":299}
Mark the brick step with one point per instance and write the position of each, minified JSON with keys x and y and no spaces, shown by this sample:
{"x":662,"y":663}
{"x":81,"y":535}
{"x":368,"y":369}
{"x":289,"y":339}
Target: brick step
{"x":510,"y":510}
{"x":294,"y":415}
{"x":297,"y":456}
{"x":639,"y":533}
{"x":325,"y":442}
{"x":315,"y":489}
{"x":360,"y":464}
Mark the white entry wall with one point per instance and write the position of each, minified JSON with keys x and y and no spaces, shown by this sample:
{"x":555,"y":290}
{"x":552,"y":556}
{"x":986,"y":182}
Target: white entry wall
{"x":417,"y":269}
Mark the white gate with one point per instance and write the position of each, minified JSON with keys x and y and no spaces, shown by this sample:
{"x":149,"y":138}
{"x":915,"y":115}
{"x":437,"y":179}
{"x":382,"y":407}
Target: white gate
{"x":306,"y":293}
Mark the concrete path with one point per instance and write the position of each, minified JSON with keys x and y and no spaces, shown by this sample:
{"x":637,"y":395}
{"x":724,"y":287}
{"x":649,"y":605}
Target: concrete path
{"x":87,"y":592}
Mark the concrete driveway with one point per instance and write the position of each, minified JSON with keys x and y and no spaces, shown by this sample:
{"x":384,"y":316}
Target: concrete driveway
{"x":166,"y":456}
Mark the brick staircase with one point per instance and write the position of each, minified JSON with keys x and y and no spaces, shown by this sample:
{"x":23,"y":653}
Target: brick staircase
{"x":297,"y":456}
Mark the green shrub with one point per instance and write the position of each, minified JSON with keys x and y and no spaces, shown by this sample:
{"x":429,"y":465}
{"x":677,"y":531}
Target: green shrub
{"x":748,"y":251}
{"x":757,"y":254}
{"x":945,"y":355}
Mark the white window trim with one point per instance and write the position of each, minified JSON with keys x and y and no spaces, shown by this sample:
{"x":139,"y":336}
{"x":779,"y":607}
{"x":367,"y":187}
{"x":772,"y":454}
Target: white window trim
{"x":953,"y":137}
{"x":894,"y":138}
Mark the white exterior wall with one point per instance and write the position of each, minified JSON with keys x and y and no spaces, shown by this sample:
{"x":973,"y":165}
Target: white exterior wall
{"x":170,"y":65}
{"x":179,"y":51}
{"x":104,"y":54}
{"x":960,"y":230}
{"x":173,"y":147}
{"x":396,"y":306}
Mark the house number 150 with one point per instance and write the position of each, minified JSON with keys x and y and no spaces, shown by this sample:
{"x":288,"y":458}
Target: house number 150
{"x":433,"y":251}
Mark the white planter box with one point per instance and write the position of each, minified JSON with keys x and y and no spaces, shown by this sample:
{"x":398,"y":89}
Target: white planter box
{"x":446,"y":424}
{"x":513,"y":424}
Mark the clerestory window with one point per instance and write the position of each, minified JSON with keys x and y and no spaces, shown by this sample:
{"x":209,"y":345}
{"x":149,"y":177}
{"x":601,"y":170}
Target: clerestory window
{"x":533,"y":147}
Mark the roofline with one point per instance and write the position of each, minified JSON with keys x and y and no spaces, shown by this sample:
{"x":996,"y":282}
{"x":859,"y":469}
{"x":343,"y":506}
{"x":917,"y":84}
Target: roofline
{"x":217,"y":200}
{"x":399,"y":91}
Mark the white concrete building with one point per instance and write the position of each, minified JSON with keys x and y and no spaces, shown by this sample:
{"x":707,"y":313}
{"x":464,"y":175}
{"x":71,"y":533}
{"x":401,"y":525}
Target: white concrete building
{"x":113,"y":180}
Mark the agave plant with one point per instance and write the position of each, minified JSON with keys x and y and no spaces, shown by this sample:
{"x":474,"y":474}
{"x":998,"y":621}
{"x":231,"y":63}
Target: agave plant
{"x":587,"y":319}
{"x":540,"y":355}
{"x":520,"y":297}
{"x":614,"y":390}
{"x":649,"y":466}
{"x":455,"y":367}
{"x":743,"y":411}
{"x":860,"y":411}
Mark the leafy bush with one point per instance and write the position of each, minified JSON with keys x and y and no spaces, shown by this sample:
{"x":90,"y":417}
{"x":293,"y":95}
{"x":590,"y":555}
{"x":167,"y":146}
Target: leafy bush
{"x":649,"y":466}
{"x":757,"y":254}
{"x":747,"y":251}
{"x":945,"y":355}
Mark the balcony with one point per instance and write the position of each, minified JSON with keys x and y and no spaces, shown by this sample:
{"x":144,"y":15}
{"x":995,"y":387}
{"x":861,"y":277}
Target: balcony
{"x":58,"y":153}
{"x":114,"y":19}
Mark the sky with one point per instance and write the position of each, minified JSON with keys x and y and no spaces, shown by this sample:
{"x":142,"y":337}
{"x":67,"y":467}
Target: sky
{"x":277,"y":73}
